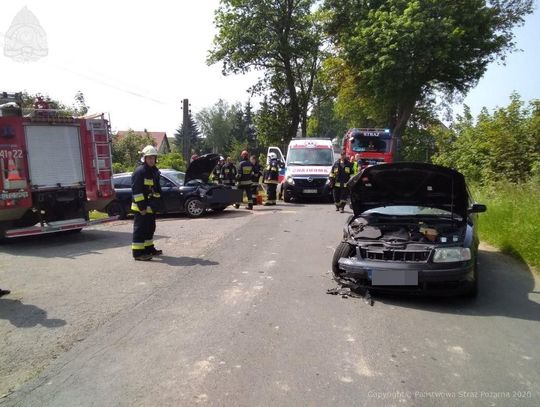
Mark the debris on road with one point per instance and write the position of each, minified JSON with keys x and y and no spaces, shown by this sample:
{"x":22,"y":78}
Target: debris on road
{"x":353,"y":291}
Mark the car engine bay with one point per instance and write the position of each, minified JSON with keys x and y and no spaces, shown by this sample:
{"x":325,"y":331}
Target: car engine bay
{"x":403,"y":238}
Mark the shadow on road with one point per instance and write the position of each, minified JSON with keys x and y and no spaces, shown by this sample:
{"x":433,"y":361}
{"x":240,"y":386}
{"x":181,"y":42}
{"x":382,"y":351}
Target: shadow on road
{"x":69,"y":245}
{"x":26,"y":316}
{"x":505,"y":285}
{"x":184,"y":261}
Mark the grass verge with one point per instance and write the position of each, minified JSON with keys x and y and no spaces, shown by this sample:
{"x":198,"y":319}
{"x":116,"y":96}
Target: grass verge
{"x":512,"y":221}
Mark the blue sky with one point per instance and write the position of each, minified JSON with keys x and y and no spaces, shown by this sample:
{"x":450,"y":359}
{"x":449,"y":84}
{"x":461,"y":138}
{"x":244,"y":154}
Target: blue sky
{"x":521,"y":72}
{"x":138,"y":60}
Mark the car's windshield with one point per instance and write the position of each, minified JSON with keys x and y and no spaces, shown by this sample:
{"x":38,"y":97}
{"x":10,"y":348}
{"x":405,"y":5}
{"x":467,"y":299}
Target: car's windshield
{"x":409,"y":210}
{"x":177,"y":177}
{"x":310,"y":156}
{"x":370,"y":144}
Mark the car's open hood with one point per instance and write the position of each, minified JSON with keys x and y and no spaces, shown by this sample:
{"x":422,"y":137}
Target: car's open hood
{"x":202,"y":167}
{"x":415,"y":184}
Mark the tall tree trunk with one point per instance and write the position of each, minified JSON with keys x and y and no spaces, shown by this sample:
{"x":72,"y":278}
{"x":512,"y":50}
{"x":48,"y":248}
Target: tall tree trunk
{"x":293,"y":99}
{"x":403,"y":114}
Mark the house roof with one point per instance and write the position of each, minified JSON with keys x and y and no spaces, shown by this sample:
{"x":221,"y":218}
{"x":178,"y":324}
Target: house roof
{"x":160,"y":137}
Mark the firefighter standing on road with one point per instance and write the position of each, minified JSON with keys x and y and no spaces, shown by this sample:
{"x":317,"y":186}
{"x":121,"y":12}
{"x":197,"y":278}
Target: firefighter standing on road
{"x":146,"y":193}
{"x":341,"y":172}
{"x":271,"y":175}
{"x":228,"y":173}
{"x":257,"y":173}
{"x":244,"y":176}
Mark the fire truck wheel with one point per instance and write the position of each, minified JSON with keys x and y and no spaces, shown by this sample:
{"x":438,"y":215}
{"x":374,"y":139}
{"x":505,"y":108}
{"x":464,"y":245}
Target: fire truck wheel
{"x":115,"y":208}
{"x":194,"y":208}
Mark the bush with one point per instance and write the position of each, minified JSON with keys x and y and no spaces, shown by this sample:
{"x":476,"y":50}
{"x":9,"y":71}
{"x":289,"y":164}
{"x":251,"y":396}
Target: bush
{"x":512,"y":219}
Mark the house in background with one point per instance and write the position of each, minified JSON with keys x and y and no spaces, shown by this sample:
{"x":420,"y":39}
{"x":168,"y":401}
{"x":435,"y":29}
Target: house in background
{"x":160,"y":138}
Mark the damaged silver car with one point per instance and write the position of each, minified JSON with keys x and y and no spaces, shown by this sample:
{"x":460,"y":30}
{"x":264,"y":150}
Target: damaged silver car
{"x":413,"y":231}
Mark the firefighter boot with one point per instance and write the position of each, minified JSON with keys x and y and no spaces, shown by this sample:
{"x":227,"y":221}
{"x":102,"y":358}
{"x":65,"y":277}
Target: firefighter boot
{"x":143,"y":257}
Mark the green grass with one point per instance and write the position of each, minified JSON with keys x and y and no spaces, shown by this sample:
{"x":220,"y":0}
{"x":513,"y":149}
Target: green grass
{"x":512,"y":221}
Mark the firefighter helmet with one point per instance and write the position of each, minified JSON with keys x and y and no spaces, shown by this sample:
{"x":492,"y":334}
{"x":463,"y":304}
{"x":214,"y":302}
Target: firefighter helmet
{"x":148,"y":151}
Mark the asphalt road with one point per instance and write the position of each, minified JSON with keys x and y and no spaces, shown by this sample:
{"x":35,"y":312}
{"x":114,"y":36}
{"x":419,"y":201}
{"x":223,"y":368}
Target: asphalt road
{"x":237,"y":314}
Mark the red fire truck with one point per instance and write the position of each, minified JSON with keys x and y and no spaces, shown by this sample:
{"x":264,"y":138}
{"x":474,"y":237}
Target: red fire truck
{"x":374,"y":145}
{"x":54,"y":169}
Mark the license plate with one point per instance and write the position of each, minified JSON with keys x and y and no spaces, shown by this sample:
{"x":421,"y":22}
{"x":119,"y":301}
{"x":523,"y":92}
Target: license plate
{"x":310,"y":191}
{"x":394,"y":277}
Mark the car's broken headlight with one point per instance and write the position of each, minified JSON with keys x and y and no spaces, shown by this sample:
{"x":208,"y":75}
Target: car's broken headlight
{"x":451,"y":254}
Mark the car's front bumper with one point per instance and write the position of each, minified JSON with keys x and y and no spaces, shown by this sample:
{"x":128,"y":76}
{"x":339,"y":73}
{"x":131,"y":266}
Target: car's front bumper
{"x":432,"y":278}
{"x":307,"y":191}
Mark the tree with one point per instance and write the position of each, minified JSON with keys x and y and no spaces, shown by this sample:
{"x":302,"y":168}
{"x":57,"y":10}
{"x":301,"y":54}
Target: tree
{"x":218,"y":126}
{"x":399,"y":53}
{"x":281,"y":39}
{"x":78,"y":108}
{"x":126,"y":150}
{"x":271,"y":122}
{"x":502,"y":146}
{"x":190,"y":128}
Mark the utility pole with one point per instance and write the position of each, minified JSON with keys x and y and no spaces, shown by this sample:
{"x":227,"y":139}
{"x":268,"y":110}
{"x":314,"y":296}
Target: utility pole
{"x":186,"y":145}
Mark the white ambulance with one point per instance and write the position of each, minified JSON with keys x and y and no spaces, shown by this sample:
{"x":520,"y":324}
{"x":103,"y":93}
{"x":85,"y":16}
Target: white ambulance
{"x":307,"y":166}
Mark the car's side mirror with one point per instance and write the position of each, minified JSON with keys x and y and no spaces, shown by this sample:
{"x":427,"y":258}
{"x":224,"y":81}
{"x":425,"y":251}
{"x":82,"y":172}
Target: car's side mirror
{"x":477,"y":208}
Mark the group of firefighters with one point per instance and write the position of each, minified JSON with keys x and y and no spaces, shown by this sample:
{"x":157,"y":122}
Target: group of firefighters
{"x":146,"y":190}
{"x":247,"y":176}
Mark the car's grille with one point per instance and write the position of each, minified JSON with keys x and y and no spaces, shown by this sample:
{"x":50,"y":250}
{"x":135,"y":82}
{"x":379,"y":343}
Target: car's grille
{"x":314,"y":183}
{"x":395,"y":255}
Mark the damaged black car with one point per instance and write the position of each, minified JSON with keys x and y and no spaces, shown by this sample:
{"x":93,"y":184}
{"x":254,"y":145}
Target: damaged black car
{"x":413,"y":230}
{"x":191,"y":193}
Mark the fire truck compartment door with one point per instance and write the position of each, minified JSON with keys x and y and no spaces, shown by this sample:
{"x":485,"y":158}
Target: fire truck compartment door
{"x":54,"y":156}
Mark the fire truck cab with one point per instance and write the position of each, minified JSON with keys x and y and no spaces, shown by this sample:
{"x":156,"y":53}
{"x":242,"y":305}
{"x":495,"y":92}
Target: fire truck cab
{"x":54,"y":169}
{"x":374,"y":145}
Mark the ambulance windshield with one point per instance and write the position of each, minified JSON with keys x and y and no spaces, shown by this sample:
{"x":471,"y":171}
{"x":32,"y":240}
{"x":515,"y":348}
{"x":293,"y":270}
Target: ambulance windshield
{"x":310,"y":156}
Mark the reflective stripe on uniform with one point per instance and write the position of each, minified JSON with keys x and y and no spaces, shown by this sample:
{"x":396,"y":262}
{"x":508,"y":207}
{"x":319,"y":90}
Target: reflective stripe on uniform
{"x":246,"y":170}
{"x":148,"y":243}
{"x":338,"y":184}
{"x":148,"y":181}
{"x":138,"y":197}
{"x":135,"y":208}
{"x":137,"y":246}
{"x":156,"y":195}
{"x":270,"y":181}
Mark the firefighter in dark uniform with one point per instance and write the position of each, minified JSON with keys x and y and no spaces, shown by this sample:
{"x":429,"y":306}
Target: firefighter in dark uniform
{"x":341,"y":172}
{"x":257,"y":173}
{"x":228,"y":173}
{"x":244,"y":176}
{"x":216,"y":173}
{"x":271,"y":175}
{"x":146,"y":201}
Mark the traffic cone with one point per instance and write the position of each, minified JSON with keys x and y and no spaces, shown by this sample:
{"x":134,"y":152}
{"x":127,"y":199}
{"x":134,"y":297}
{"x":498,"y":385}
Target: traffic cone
{"x":13,"y":173}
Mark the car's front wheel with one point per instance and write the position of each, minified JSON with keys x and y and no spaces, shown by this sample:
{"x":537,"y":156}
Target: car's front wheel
{"x":287,"y":196}
{"x":194,"y":208}
{"x":344,"y":249}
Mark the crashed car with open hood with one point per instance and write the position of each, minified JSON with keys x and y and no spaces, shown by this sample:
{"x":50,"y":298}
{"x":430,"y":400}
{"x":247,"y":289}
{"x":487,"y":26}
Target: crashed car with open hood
{"x":413,"y":230}
{"x":190,"y":192}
